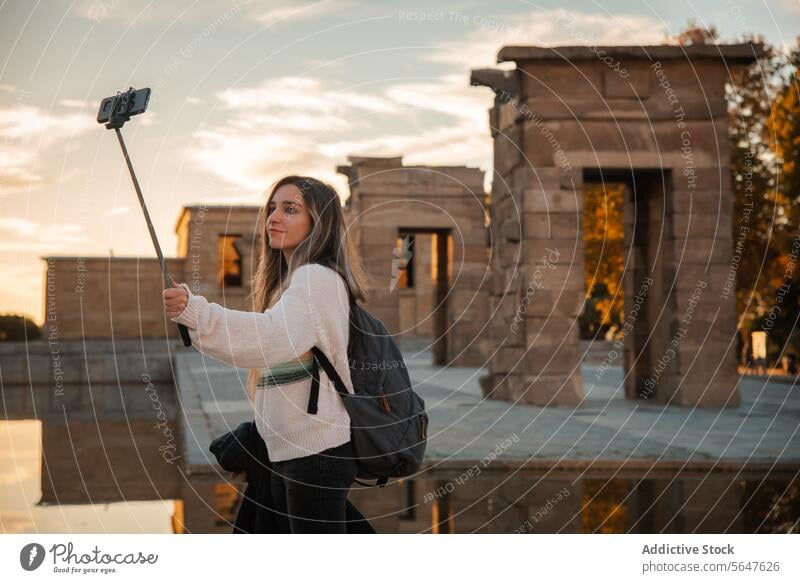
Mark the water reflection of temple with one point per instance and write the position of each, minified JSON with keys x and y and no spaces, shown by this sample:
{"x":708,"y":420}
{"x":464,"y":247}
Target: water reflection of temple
{"x":536,"y":470}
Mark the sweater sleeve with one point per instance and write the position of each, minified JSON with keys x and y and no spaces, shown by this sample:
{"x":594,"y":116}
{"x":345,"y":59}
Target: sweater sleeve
{"x":251,"y":339}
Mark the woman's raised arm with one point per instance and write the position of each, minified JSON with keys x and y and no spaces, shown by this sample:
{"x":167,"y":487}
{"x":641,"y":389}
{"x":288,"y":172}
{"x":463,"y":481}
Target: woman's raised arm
{"x":251,"y":339}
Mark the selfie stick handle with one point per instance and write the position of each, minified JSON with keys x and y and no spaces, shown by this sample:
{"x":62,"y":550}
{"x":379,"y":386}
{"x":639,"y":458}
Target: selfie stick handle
{"x":187,"y":341}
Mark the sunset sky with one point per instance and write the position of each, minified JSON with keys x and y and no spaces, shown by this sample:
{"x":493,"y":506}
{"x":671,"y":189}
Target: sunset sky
{"x":245,"y":92}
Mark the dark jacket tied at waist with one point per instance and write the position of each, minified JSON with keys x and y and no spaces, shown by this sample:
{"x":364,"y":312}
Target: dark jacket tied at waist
{"x":243,"y":450}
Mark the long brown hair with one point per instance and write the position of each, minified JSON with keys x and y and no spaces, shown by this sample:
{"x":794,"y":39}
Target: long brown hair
{"x":328,"y":243}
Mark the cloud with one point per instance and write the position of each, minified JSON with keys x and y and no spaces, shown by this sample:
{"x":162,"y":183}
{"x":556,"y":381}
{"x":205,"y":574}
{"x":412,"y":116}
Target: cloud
{"x":125,"y":12}
{"x":277,"y":128}
{"x":790,"y":6}
{"x":202,"y":12}
{"x":290,"y":13}
{"x":543,"y":28}
{"x":14,"y":171}
{"x":304,"y":125}
{"x":33,"y":124}
{"x":18,"y":226}
{"x":25,"y":133}
{"x":120,"y":210}
{"x":450,"y":94}
{"x":301,"y":94}
{"x":75,"y":103}
{"x":28,"y":235}
{"x":450,"y":145}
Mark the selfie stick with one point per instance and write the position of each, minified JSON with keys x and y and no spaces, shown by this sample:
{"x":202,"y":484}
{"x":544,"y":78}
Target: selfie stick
{"x":117,"y":119}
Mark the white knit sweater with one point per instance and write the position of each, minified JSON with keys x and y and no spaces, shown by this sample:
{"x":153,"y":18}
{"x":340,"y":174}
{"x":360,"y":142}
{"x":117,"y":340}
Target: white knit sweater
{"x":313,"y":311}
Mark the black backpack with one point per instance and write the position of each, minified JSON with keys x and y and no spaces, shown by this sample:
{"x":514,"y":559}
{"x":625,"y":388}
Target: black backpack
{"x":388,"y":422}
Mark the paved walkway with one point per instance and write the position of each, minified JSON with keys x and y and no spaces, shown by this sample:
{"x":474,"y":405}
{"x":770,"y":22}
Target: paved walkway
{"x":607,"y":430}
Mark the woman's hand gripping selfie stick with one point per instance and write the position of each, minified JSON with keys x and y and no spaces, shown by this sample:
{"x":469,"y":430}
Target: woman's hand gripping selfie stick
{"x":116,"y":111}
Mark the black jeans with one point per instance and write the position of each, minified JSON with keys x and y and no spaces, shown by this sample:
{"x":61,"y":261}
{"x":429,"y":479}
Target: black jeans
{"x":310,"y":493}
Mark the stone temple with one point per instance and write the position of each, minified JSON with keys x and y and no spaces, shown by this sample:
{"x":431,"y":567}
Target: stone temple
{"x":655,"y":120}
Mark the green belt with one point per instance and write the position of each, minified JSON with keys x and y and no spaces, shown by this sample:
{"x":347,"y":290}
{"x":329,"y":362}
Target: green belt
{"x":287,"y":372}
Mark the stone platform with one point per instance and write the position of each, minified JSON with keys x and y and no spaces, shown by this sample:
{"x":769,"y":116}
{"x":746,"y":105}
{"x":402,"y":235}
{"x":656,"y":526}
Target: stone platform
{"x":607,"y":432}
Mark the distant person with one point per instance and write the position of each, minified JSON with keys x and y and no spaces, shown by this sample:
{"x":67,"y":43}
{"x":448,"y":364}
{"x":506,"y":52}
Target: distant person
{"x":791,"y":364}
{"x":748,"y":364}
{"x":307,"y":275}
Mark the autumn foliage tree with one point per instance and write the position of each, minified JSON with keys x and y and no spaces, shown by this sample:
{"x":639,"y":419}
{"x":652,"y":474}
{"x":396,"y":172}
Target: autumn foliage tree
{"x":604,"y":256}
{"x":764,"y":131}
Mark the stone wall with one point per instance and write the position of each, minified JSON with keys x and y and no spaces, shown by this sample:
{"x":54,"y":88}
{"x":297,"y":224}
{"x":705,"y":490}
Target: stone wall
{"x":105,"y":297}
{"x":120,"y":297}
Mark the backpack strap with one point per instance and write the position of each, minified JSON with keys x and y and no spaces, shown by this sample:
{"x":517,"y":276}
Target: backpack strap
{"x":330,"y":370}
{"x":313,"y":396}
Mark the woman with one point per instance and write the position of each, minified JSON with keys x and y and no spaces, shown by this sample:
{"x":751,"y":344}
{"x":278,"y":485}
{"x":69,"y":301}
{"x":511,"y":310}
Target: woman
{"x":306,"y":273}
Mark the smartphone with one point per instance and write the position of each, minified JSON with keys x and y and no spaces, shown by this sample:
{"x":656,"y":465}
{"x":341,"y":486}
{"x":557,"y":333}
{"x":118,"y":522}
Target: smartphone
{"x":134,"y":101}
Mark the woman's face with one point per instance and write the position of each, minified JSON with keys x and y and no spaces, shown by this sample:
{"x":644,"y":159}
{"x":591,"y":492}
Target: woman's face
{"x":288,"y":219}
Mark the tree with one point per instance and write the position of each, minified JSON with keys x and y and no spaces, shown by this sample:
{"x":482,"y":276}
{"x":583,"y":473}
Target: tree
{"x":761,"y":207}
{"x":14,"y":328}
{"x":694,"y":34}
{"x":604,"y":257}
{"x":783,"y":134}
